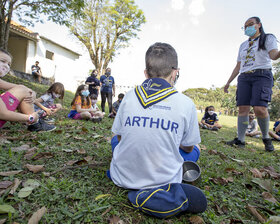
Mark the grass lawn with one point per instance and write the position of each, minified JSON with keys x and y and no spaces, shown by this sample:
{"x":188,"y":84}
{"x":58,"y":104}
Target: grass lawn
{"x":241,"y":185}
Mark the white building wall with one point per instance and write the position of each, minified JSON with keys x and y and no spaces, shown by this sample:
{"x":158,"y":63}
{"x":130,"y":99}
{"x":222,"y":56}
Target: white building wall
{"x":64,"y":66}
{"x":30,"y":55}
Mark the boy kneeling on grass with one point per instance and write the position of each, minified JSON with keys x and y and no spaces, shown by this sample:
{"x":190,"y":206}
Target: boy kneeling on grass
{"x":17,"y":97}
{"x":156,"y":130}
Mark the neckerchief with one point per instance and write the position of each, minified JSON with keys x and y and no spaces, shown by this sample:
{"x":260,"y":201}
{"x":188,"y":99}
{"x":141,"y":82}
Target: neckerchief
{"x":153,"y":91}
{"x":251,"y":42}
{"x":250,"y":55}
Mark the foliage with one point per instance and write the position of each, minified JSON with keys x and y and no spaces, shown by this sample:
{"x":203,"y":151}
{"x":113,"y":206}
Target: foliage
{"x":29,"y":11}
{"x":203,"y":97}
{"x":82,"y":193}
{"x":274,"y":106}
{"x":276,"y":68}
{"x":105,"y":27}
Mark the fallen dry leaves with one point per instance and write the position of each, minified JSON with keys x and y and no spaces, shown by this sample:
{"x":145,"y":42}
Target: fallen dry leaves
{"x":17,"y":182}
{"x":10,"y":173}
{"x":256,"y":173}
{"x":34,"y":168}
{"x":115,"y":220}
{"x":255,"y":213}
{"x":36,"y":217}
{"x":196,"y":220}
{"x":24,"y":147}
{"x":5,"y":184}
{"x":267,"y":196}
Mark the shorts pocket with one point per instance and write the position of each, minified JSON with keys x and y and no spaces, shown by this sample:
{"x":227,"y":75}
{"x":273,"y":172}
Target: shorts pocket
{"x":266,"y":94}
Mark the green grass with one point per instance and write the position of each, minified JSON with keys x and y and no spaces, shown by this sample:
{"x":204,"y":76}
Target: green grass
{"x":70,"y":194}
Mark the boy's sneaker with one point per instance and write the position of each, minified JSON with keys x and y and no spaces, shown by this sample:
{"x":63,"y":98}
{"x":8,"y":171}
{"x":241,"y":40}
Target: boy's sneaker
{"x":41,"y":125}
{"x":236,"y":142}
{"x":96,"y":120}
{"x":111,"y":115}
{"x":215,"y":128}
{"x":268,"y":145}
{"x":49,"y":120}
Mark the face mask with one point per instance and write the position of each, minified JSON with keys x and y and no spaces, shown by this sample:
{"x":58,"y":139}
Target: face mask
{"x":94,"y":101}
{"x":107,"y":73}
{"x":56,"y":95}
{"x":210,"y":112}
{"x":250,"y":31}
{"x":4,"y":69}
{"x":85,"y":93}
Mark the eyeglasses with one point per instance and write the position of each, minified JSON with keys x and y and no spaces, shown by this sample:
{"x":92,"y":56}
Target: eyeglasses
{"x":178,"y":73}
{"x":250,"y":24}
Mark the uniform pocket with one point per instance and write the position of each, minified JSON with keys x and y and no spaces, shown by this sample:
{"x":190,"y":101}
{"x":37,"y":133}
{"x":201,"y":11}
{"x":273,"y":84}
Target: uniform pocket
{"x":266,"y":94}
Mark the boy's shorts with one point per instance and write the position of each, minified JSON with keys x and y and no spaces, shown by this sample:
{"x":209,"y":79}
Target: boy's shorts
{"x":254,"y":89}
{"x":11,"y":103}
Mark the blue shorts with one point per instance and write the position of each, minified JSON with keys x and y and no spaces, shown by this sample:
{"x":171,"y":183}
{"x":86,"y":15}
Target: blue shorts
{"x":254,"y":89}
{"x":191,"y":156}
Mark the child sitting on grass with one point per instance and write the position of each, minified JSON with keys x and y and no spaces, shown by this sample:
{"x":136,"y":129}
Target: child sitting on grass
{"x":116,"y":106}
{"x":252,"y":129}
{"x":81,"y":105}
{"x":276,"y":128}
{"x":17,"y":97}
{"x":45,"y":104}
{"x":210,"y":119}
{"x":96,"y":112}
{"x":156,"y":130}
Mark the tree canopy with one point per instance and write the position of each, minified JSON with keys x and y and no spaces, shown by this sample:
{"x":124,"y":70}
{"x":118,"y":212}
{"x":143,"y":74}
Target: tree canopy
{"x":29,"y":11}
{"x":107,"y":26}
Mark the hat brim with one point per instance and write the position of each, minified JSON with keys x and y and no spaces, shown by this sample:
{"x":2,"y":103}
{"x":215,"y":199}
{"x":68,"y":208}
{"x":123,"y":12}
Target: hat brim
{"x":197,"y":199}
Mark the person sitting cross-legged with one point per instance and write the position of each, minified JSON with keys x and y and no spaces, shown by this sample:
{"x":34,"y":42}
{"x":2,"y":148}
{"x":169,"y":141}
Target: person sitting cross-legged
{"x":18,"y":97}
{"x":156,"y":130}
{"x":210,"y":119}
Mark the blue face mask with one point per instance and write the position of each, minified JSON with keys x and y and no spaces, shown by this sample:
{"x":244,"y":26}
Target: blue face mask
{"x":250,"y":31}
{"x":85,"y":93}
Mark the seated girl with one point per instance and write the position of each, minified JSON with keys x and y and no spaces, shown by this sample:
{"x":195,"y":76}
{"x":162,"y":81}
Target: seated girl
{"x":17,"y":97}
{"x":210,"y":119}
{"x":81,"y":105}
{"x":45,"y":104}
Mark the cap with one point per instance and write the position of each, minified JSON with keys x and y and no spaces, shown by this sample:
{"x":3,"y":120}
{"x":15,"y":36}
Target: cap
{"x":168,"y":200}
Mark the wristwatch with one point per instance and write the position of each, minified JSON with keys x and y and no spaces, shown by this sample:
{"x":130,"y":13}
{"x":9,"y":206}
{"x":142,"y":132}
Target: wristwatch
{"x":30,"y":119}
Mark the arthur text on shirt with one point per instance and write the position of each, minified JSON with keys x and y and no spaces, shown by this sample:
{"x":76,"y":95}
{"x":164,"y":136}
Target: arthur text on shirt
{"x":151,"y":122}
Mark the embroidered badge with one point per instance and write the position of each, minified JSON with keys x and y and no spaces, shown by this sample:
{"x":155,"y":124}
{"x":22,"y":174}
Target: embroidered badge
{"x":11,"y":101}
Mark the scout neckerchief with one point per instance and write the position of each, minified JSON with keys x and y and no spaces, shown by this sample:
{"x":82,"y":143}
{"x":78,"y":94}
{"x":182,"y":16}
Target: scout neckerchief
{"x":153,"y":91}
{"x":250,"y":56}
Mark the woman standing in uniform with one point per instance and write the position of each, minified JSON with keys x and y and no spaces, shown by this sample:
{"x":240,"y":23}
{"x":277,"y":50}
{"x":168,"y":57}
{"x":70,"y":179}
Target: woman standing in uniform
{"x":255,"y":82}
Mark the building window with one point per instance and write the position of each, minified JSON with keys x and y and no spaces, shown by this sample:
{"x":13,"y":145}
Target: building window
{"x":49,"y":55}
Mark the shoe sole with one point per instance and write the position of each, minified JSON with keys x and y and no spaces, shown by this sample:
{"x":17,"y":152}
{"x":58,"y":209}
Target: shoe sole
{"x":47,"y":130}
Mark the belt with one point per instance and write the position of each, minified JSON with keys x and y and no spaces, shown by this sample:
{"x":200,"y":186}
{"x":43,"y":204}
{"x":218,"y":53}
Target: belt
{"x":257,"y":70}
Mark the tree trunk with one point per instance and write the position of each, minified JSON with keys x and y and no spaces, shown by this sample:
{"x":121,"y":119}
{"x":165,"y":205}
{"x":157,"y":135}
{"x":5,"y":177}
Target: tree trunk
{"x":5,"y":26}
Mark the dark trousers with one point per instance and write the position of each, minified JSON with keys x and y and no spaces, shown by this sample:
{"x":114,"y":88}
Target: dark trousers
{"x":105,"y":95}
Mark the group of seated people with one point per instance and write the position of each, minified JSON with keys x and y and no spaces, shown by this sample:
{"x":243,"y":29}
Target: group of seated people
{"x":210,"y":121}
{"x":84,"y":106}
{"x":37,"y":112}
{"x":150,"y":142}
